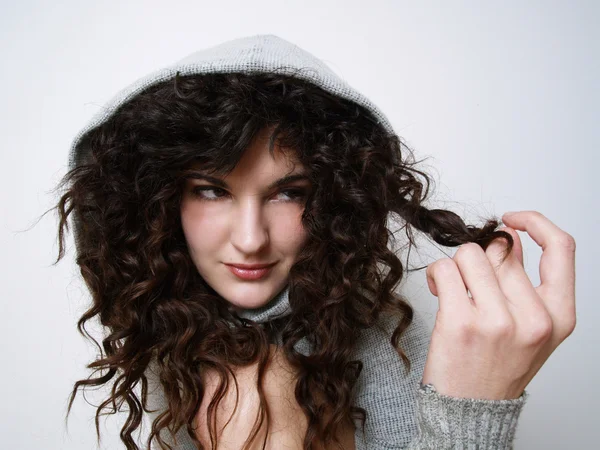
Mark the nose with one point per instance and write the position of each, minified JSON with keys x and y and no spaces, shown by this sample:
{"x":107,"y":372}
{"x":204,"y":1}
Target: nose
{"x":249,"y":234}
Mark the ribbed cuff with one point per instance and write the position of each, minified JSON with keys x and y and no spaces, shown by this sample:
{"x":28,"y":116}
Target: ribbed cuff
{"x":465,"y":423}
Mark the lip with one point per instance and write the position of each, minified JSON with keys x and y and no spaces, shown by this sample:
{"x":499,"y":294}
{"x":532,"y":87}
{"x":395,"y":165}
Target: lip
{"x":251,"y":266}
{"x":250,"y":274}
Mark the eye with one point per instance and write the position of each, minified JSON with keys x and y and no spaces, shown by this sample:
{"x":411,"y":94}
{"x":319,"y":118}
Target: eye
{"x":198,"y":191}
{"x":294,"y":195}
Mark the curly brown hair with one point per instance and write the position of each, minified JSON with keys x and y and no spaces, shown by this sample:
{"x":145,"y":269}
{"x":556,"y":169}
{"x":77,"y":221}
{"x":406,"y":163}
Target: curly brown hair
{"x":125,"y":194}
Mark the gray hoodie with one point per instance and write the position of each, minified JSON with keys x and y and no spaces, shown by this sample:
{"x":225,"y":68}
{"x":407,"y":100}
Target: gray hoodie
{"x":401,"y":412}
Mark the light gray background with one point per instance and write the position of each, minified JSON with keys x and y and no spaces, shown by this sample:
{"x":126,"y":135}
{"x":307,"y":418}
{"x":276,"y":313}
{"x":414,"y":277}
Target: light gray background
{"x":503,"y":96}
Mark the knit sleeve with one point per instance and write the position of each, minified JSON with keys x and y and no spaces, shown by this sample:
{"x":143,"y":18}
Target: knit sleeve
{"x":445,"y":422}
{"x":404,"y":414}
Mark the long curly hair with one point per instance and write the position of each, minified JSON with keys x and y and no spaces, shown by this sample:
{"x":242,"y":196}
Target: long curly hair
{"x":125,"y":196}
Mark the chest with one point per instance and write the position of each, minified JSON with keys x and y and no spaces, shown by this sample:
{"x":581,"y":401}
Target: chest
{"x":239,"y":409}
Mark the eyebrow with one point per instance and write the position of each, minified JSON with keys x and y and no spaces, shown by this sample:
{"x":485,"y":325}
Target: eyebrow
{"x":276,"y":184}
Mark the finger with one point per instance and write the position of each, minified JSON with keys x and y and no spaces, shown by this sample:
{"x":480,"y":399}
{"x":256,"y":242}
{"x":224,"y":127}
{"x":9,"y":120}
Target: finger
{"x":499,"y":245}
{"x":557,"y":264}
{"x":480,"y":278}
{"x":511,"y":275}
{"x":444,"y":276}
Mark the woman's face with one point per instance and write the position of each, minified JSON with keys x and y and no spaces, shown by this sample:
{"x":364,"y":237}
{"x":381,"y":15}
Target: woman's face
{"x":246,"y":219}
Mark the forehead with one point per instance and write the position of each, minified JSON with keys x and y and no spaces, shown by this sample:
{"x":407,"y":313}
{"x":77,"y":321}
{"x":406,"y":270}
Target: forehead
{"x":258,"y":156}
{"x":258,"y":163}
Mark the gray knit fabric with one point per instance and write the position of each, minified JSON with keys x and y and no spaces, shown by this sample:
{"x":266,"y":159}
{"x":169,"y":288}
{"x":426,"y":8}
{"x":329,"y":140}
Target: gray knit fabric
{"x":401,"y":412}
{"x":248,"y":54}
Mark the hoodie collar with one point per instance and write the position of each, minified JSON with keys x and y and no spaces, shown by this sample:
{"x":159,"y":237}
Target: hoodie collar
{"x":278,"y":307}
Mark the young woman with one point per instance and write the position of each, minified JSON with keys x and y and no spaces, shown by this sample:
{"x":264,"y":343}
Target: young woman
{"x":231,"y":217}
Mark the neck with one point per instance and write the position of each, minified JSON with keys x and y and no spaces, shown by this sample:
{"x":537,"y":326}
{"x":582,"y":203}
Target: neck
{"x":278,"y":306}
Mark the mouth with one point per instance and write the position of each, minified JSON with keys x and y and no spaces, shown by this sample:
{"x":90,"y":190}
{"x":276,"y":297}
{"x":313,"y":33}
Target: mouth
{"x":250,"y":274}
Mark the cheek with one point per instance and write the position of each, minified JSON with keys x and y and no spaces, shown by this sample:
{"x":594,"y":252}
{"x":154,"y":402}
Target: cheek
{"x":289,"y":231}
{"x":199,"y":227}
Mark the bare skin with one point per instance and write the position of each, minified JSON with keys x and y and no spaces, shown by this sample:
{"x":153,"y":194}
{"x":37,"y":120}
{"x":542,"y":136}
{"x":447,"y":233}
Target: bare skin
{"x":288,"y":422}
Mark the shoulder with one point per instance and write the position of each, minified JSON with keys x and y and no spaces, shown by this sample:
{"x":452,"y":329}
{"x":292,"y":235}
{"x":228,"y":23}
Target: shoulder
{"x":384,"y":389}
{"x":374,"y":343}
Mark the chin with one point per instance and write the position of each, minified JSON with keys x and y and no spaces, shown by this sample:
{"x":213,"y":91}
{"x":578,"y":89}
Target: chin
{"x":245,"y":304}
{"x":248,"y":297}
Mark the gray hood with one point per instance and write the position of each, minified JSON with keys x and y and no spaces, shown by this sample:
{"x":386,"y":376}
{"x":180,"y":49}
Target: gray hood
{"x":258,"y":53}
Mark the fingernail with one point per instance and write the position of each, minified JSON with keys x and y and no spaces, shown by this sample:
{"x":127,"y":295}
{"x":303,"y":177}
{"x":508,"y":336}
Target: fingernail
{"x":510,"y":213}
